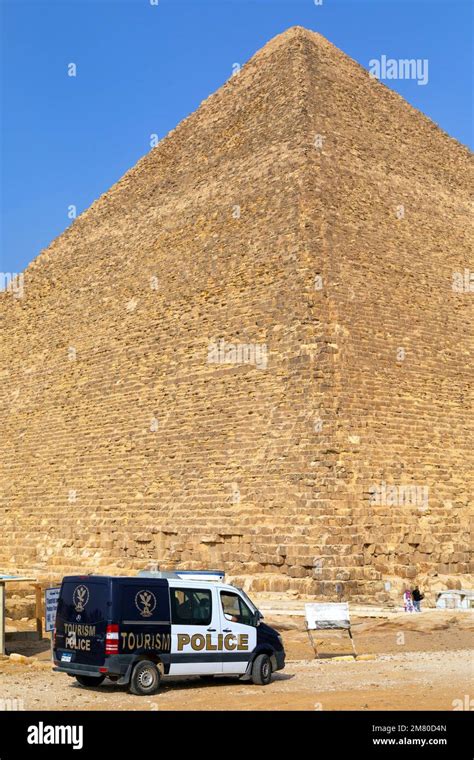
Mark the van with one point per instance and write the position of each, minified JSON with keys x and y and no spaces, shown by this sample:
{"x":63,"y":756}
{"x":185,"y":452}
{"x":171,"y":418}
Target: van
{"x":137,"y":630}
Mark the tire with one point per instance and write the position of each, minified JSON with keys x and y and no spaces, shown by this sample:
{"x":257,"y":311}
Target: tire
{"x":145,"y":678}
{"x":90,"y":680}
{"x":262,"y":670}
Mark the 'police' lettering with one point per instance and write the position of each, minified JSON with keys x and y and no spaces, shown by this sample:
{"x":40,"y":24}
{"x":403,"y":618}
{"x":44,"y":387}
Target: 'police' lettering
{"x":183,"y":639}
{"x":228,"y":643}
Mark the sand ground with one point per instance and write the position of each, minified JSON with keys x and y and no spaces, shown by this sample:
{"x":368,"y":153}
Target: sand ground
{"x":408,"y":662}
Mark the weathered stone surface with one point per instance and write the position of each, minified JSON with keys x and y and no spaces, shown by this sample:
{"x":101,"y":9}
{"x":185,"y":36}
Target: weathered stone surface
{"x":121,"y":444}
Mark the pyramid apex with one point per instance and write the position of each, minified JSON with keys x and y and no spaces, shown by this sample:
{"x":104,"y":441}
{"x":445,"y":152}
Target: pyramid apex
{"x":292,"y":35}
{"x":299,"y":31}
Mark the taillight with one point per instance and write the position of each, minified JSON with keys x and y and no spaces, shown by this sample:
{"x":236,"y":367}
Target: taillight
{"x":54,"y":637}
{"x":112,"y":639}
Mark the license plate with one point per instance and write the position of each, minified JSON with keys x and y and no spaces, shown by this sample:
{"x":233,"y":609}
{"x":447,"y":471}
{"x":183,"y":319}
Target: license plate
{"x":66,"y":657}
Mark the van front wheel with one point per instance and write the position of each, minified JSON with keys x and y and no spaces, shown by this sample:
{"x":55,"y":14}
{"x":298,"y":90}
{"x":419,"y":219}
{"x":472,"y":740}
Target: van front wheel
{"x":145,"y":678}
{"x":90,"y":680}
{"x":262,"y":670}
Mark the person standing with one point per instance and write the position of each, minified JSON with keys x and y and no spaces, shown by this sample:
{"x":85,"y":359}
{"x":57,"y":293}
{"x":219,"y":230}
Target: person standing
{"x":407,"y":600}
{"x":417,"y":596}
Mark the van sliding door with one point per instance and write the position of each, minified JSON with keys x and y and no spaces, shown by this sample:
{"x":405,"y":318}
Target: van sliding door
{"x":194,"y":631}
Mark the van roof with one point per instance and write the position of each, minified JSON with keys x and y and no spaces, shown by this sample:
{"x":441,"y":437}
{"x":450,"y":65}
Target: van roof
{"x":93,"y":577}
{"x":199,"y":584}
{"x":172,"y":581}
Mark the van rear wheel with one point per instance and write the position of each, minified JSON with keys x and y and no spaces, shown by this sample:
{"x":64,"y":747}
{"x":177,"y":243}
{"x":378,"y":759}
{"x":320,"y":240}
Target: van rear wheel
{"x":90,"y":680}
{"x":262,"y":670}
{"x":145,"y":678}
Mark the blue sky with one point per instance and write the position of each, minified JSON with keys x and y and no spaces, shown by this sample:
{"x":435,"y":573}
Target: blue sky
{"x":141,"y":68}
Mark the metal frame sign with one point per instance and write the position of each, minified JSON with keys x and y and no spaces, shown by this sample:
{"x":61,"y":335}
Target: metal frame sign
{"x":332,"y":615}
{"x":327,"y":617}
{"x":51,"y":597}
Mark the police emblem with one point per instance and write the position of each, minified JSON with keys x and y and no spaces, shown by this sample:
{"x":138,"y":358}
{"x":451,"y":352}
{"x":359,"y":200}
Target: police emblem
{"x":80,"y":597}
{"x":145,"y":602}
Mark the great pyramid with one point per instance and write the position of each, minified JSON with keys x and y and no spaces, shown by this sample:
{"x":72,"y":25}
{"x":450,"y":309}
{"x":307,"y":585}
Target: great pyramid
{"x":249,"y":354}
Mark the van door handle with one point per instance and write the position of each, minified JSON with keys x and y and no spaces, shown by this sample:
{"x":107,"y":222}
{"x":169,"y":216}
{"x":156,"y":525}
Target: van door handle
{"x":227,"y":630}
{"x":211,"y":630}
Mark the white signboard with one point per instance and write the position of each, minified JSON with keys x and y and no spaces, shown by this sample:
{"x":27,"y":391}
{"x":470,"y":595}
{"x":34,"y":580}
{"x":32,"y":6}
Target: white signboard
{"x":51,"y":596}
{"x":329,"y":615}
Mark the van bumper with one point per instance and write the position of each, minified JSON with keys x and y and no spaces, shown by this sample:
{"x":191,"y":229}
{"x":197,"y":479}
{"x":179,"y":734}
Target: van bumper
{"x":116,"y":666}
{"x":279,"y":660}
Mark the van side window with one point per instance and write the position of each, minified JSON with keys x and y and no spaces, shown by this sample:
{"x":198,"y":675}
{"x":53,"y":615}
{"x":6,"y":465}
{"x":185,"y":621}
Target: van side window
{"x":235,"y":609}
{"x":191,"y":606}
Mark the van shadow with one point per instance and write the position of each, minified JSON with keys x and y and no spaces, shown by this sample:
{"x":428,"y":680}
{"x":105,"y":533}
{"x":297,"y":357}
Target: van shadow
{"x":332,"y":655}
{"x":186,"y":682}
{"x":283,"y":676}
{"x":182,"y":682}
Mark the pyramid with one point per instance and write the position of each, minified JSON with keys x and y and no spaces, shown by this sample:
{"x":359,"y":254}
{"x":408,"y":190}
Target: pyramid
{"x":249,"y":354}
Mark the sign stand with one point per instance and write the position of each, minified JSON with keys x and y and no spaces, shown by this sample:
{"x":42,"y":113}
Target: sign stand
{"x":325,"y":617}
{"x":2,"y":618}
{"x":39,"y":611}
{"x":313,"y":643}
{"x":51,"y":597}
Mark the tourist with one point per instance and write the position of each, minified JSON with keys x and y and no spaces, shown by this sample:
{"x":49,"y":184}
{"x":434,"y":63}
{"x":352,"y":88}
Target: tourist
{"x":408,"y":601}
{"x":417,"y":596}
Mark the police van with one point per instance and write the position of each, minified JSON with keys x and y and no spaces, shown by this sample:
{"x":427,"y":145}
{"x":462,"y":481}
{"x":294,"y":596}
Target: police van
{"x":135,"y":630}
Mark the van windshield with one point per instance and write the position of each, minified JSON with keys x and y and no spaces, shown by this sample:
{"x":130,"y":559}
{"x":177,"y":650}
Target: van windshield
{"x":247,"y":599}
{"x":84,"y":600}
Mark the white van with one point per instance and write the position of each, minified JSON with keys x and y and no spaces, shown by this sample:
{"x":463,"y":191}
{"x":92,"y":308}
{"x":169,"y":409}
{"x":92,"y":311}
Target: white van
{"x":136,"y":630}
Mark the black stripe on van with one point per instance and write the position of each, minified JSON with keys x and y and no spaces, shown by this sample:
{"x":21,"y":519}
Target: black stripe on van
{"x":178,"y":659}
{"x":145,"y":622}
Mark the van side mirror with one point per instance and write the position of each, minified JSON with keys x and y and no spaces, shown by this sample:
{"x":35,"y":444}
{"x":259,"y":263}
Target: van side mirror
{"x":257,"y":617}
